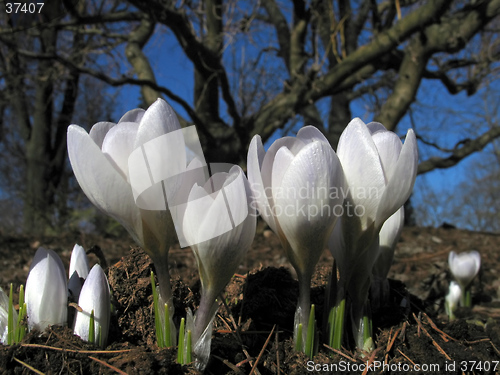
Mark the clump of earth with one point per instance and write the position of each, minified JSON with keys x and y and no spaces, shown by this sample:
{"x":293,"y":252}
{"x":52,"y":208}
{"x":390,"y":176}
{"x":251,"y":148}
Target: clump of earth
{"x":254,"y":325}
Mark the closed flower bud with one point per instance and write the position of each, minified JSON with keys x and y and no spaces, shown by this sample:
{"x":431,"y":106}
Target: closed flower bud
{"x":95,"y":297}
{"x":46,"y":291}
{"x":78,"y":271}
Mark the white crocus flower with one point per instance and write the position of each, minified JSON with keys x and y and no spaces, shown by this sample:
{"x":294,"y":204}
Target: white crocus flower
{"x":94,"y":297}
{"x":100,"y":162}
{"x":4,"y":317}
{"x":219,"y":223}
{"x":452,"y":299}
{"x":46,"y":291}
{"x":78,"y":270}
{"x":464,"y":266}
{"x":380,"y":172}
{"x":297,"y":185}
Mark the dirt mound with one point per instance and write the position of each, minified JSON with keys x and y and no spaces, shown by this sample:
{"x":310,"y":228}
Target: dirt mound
{"x":253,"y":328}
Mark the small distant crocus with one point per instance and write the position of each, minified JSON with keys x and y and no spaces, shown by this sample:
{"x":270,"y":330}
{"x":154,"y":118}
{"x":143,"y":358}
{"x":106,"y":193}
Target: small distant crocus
{"x":46,"y":293}
{"x":452,"y":299}
{"x":94,"y":297}
{"x":464,"y":267}
{"x":78,"y":271}
{"x":219,"y":223}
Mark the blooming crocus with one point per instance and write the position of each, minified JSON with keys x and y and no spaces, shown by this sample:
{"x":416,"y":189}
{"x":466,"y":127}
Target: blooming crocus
{"x":464,"y":267}
{"x":100,"y":161}
{"x":94,"y":297}
{"x":380,"y":172}
{"x":297,"y":185}
{"x":78,"y":271}
{"x":388,"y":238}
{"x":46,"y":293}
{"x":452,"y":299}
{"x":219,"y":223}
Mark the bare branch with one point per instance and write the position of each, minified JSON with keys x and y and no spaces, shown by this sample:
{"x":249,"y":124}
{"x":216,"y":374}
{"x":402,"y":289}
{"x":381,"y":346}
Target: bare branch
{"x":468,"y":148}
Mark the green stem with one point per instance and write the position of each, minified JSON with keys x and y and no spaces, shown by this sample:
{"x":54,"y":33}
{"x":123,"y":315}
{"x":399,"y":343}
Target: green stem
{"x":467,"y":298}
{"x":180,"y":348}
{"x":310,"y":337}
{"x":336,"y":341}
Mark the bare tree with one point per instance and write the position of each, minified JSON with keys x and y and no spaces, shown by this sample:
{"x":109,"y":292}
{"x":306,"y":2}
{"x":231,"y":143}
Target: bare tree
{"x":262,"y":66}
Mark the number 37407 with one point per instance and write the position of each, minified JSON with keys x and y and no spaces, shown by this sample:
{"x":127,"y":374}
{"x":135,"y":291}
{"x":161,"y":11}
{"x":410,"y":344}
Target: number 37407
{"x":16,"y":8}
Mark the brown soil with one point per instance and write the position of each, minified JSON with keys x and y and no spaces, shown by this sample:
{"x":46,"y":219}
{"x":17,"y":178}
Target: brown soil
{"x":252,"y":331}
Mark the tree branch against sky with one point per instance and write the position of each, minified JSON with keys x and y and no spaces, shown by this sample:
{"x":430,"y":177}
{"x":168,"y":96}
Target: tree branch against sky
{"x":259,"y":67}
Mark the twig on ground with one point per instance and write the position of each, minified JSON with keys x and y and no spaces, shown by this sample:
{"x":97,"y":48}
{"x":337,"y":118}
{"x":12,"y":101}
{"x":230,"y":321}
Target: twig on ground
{"x":444,"y":335}
{"x":262,"y":351}
{"x":76,"y":350}
{"x":340,"y":353}
{"x":229,"y":364}
{"x":28,"y":366}
{"x":104,"y":363}
{"x":404,"y":355}
{"x":434,"y":342}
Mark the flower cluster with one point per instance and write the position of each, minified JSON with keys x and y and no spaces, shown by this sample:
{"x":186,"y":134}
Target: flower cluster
{"x":151,"y":176}
{"x":48,"y":292}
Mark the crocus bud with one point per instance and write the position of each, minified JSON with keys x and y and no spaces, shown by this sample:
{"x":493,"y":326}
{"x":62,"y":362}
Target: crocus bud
{"x":452,"y":299}
{"x":219,"y":222}
{"x":46,"y":291}
{"x":78,"y":271}
{"x":464,"y":267}
{"x":95,"y":297}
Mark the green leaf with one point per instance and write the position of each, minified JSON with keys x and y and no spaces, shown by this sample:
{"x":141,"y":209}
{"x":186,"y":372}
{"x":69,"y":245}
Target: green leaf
{"x":311,"y":331}
{"x":180,"y":348}
{"x":92,"y":328}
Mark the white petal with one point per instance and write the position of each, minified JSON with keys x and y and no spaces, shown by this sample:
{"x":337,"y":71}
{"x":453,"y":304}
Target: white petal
{"x":46,"y":291}
{"x":94,"y":296}
{"x":159,"y":119}
{"x":388,"y":238}
{"x":362,"y":168}
{"x":79,"y":262}
{"x":219,"y":256}
{"x":400,"y":186}
{"x":464,"y":266}
{"x":260,"y":192}
{"x":134,"y":115}
{"x":310,"y":133}
{"x":375,"y":127}
{"x":102,"y":183}
{"x":119,"y":144}
{"x":99,"y":131}
{"x":310,"y":188}
{"x":389,"y":148}
{"x":282,"y":161}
